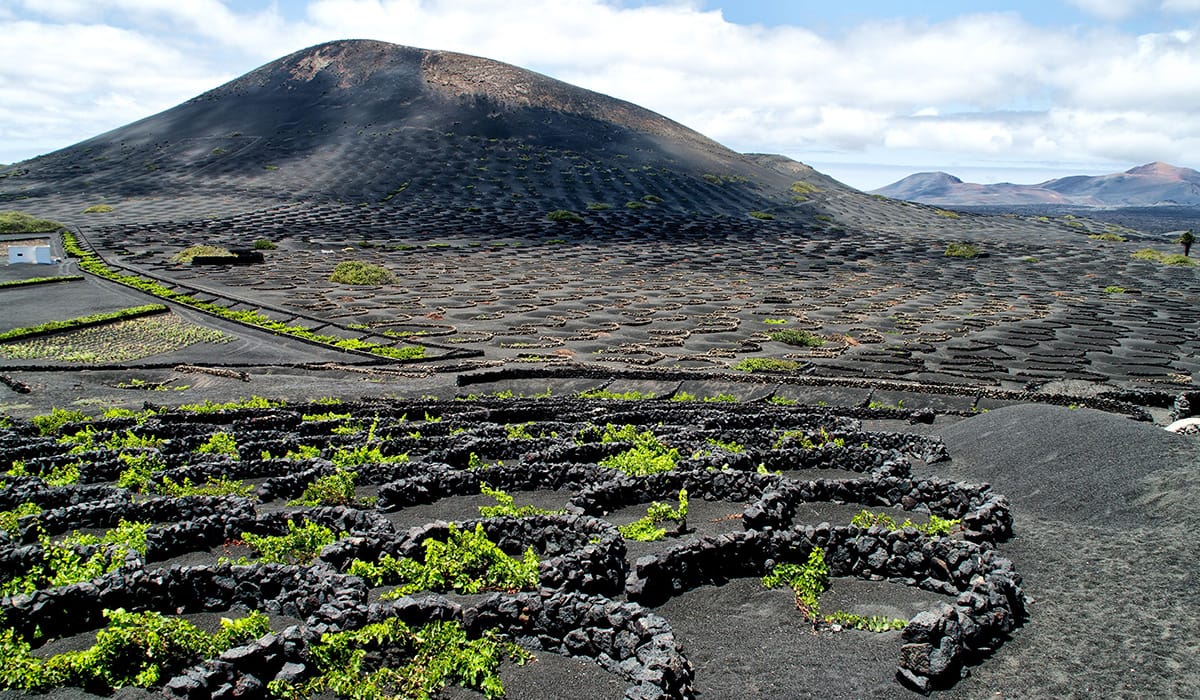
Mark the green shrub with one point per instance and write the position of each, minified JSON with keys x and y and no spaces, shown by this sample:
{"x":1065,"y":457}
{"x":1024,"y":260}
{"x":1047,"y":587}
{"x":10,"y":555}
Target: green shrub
{"x":98,"y":209}
{"x":1113,"y":289}
{"x":766,"y":364}
{"x":19,"y":222}
{"x":564,"y":216}
{"x":1111,"y":237}
{"x":220,"y":444}
{"x":762,"y":215}
{"x":646,"y":529}
{"x":63,"y":564}
{"x":791,"y":336}
{"x":336,"y":489}
{"x":642,"y":461}
{"x":264,"y":244}
{"x":598,"y":206}
{"x":632,"y":395}
{"x":50,"y":423}
{"x":438,"y":654}
{"x":802,"y":190}
{"x":9,"y":519}
{"x":359,"y":272}
{"x":505,"y":506}
{"x":935,"y":527}
{"x":465,"y":562}
{"x":807,"y":581}
{"x":185,"y":256}
{"x":947,"y":214}
{"x":300,"y":545}
{"x":139,"y":649}
{"x":961,"y":250}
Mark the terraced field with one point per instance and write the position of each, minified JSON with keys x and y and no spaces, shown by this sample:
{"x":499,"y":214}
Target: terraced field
{"x":761,"y":486}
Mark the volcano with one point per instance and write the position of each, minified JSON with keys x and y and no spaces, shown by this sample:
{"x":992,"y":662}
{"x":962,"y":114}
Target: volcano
{"x":367,"y":121}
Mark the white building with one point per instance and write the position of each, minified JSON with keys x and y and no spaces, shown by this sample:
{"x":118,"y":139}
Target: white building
{"x":30,"y":254}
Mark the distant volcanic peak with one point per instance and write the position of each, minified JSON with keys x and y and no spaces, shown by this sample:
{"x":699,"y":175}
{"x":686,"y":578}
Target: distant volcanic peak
{"x":1163,"y":170}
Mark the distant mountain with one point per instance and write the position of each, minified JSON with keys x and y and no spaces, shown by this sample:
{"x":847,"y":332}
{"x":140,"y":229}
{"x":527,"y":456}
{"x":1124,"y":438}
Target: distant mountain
{"x":371,"y":122}
{"x":1146,"y":185}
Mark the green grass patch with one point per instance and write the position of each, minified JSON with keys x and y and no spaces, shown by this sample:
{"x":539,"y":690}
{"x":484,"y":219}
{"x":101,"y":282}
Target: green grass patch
{"x":762,"y":215}
{"x":98,"y":209}
{"x":1110,"y":237}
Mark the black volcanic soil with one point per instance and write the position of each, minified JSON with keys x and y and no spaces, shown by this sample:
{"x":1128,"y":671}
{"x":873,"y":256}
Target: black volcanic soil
{"x":661,"y":298}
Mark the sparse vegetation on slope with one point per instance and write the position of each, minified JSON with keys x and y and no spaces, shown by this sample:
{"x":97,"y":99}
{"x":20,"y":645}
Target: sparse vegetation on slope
{"x":362,"y":273}
{"x":1157,"y":256}
{"x":185,"y":256}
{"x":961,"y":250}
{"x":20,"y":222}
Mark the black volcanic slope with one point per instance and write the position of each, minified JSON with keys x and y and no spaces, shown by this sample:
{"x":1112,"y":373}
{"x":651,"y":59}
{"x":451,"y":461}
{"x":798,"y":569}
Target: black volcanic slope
{"x":363,"y":121}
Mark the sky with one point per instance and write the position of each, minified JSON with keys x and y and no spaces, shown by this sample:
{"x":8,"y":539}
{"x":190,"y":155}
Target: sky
{"x":868,"y":91}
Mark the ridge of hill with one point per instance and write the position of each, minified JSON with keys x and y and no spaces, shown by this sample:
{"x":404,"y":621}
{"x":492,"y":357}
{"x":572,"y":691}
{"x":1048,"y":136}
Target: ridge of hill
{"x":1146,"y":185}
{"x":364,"y":121}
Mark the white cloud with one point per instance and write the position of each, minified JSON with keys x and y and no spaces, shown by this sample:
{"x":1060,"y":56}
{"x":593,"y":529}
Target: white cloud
{"x":1181,"y":6}
{"x":1110,"y":9}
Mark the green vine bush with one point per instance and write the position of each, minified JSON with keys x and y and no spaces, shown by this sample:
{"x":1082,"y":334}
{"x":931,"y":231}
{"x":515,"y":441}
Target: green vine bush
{"x":811,"y":579}
{"x":133,"y":649}
{"x":51,"y":423}
{"x":647,"y":529}
{"x":416,"y":663}
{"x":336,"y":489}
{"x":505,"y":506}
{"x":220,"y":444}
{"x":936,"y":527}
{"x":300,"y":545}
{"x":466,"y":562}
{"x":64,"y":562}
{"x":9,"y":519}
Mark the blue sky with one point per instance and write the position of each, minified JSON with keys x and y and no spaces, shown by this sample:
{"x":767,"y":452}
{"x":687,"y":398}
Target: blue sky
{"x":865,"y":90}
